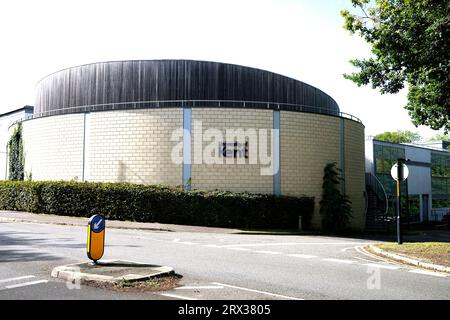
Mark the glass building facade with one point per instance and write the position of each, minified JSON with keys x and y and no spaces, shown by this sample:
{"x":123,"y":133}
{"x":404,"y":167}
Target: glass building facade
{"x":385,"y":156}
{"x":440,"y":179}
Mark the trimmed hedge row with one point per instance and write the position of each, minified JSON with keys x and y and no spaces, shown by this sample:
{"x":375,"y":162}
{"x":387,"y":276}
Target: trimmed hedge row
{"x":144,"y":203}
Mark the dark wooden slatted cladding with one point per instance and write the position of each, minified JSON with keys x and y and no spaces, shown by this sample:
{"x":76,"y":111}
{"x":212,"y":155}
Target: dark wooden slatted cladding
{"x":163,"y":80}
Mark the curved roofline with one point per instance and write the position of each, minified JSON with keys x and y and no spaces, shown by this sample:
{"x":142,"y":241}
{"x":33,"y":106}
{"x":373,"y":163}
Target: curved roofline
{"x":341,"y":115}
{"x":192,"y":60}
{"x":24,"y":108}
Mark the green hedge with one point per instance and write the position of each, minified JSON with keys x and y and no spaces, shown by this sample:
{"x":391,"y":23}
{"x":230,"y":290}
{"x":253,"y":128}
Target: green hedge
{"x":124,"y":201}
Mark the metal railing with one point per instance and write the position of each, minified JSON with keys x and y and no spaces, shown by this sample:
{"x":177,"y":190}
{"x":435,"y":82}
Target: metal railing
{"x":350,"y":116}
{"x":380,"y":191}
{"x":194,"y":104}
{"x":438,"y":213}
{"x":422,"y":145}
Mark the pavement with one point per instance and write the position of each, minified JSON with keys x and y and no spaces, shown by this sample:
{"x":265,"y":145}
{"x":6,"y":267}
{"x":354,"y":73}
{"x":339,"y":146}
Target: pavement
{"x":20,"y":216}
{"x":214,"y":265}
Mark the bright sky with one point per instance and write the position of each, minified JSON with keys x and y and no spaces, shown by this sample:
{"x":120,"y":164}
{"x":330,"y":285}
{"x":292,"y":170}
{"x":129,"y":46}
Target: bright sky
{"x":303,"y":39}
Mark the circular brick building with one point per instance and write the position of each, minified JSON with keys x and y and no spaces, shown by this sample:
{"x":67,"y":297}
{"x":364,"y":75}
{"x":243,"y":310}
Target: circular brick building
{"x":169,"y":122}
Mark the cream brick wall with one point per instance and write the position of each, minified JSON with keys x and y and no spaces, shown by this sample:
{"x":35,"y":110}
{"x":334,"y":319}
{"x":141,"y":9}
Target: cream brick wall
{"x":53,"y":147}
{"x":308,"y":143}
{"x":231,"y":177}
{"x":134,"y":146}
{"x":354,"y":170}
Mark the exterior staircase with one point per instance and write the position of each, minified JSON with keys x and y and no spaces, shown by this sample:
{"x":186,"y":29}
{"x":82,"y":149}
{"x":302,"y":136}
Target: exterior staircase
{"x":377,"y":219}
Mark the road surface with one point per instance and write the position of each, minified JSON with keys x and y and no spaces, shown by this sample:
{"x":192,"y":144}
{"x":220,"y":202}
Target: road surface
{"x":213,"y":266}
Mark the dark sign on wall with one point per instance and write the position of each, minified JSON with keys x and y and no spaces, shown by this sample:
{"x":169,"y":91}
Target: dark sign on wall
{"x":233,"y":149}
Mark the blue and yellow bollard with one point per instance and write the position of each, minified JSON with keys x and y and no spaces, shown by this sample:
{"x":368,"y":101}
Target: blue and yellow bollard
{"x":96,"y":237}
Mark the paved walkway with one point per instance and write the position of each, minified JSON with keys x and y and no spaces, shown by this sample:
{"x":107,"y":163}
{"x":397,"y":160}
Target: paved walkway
{"x":11,"y":216}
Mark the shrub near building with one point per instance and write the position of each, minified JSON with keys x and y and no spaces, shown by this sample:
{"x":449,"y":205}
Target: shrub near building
{"x":149,"y":203}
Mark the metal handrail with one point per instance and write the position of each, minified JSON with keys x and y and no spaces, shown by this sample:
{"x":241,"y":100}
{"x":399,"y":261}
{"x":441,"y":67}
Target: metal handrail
{"x":377,"y":186}
{"x":350,"y":116}
{"x":193,"y":103}
{"x":421,"y":145}
{"x":438,"y":213}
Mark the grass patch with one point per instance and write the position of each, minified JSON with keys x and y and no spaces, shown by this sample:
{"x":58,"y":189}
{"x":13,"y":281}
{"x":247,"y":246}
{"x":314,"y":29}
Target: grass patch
{"x":162,"y":283}
{"x":431,"y":252}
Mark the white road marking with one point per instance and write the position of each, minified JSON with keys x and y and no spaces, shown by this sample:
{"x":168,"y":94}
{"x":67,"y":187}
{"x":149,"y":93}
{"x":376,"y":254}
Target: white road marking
{"x":392,"y":262}
{"x":212,"y":246}
{"x":177,"y":296}
{"x":339,"y":260}
{"x":186,"y":242}
{"x":381,"y":266}
{"x":293,"y":244}
{"x":25,"y":284}
{"x":429,"y":273}
{"x":16,"y":279}
{"x":177,"y":240}
{"x":363,"y":259}
{"x":268,"y":252}
{"x":257,"y":291}
{"x":378,"y":258}
{"x":239,"y":249}
{"x":306,"y":256}
{"x":198,"y":287}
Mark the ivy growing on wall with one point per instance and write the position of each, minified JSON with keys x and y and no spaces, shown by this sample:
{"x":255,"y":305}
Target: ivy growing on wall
{"x":15,"y":155}
{"x":335,"y":207}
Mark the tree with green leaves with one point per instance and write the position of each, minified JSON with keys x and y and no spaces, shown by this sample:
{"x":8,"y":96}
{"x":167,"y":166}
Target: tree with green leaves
{"x":15,"y":154}
{"x":335,"y":207}
{"x":410,"y":42}
{"x":440,"y":137}
{"x":398,"y":136}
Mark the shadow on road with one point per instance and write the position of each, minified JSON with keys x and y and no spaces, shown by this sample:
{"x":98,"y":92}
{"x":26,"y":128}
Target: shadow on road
{"x":24,"y":246}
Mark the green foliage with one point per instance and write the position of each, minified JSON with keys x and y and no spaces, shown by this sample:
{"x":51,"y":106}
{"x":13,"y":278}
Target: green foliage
{"x":143,"y":203}
{"x":15,"y":154}
{"x":398,"y":136}
{"x":440,"y":137}
{"x":440,"y":165}
{"x":410,"y":44}
{"x":335,"y":207}
{"x":441,"y":203}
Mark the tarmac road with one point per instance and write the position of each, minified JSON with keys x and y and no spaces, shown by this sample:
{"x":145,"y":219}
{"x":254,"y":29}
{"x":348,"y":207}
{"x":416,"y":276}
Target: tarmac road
{"x":213,"y":265}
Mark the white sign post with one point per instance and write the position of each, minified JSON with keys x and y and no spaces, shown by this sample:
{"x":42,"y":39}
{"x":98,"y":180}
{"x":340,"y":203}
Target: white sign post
{"x":404,"y":174}
{"x":399,"y":173}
